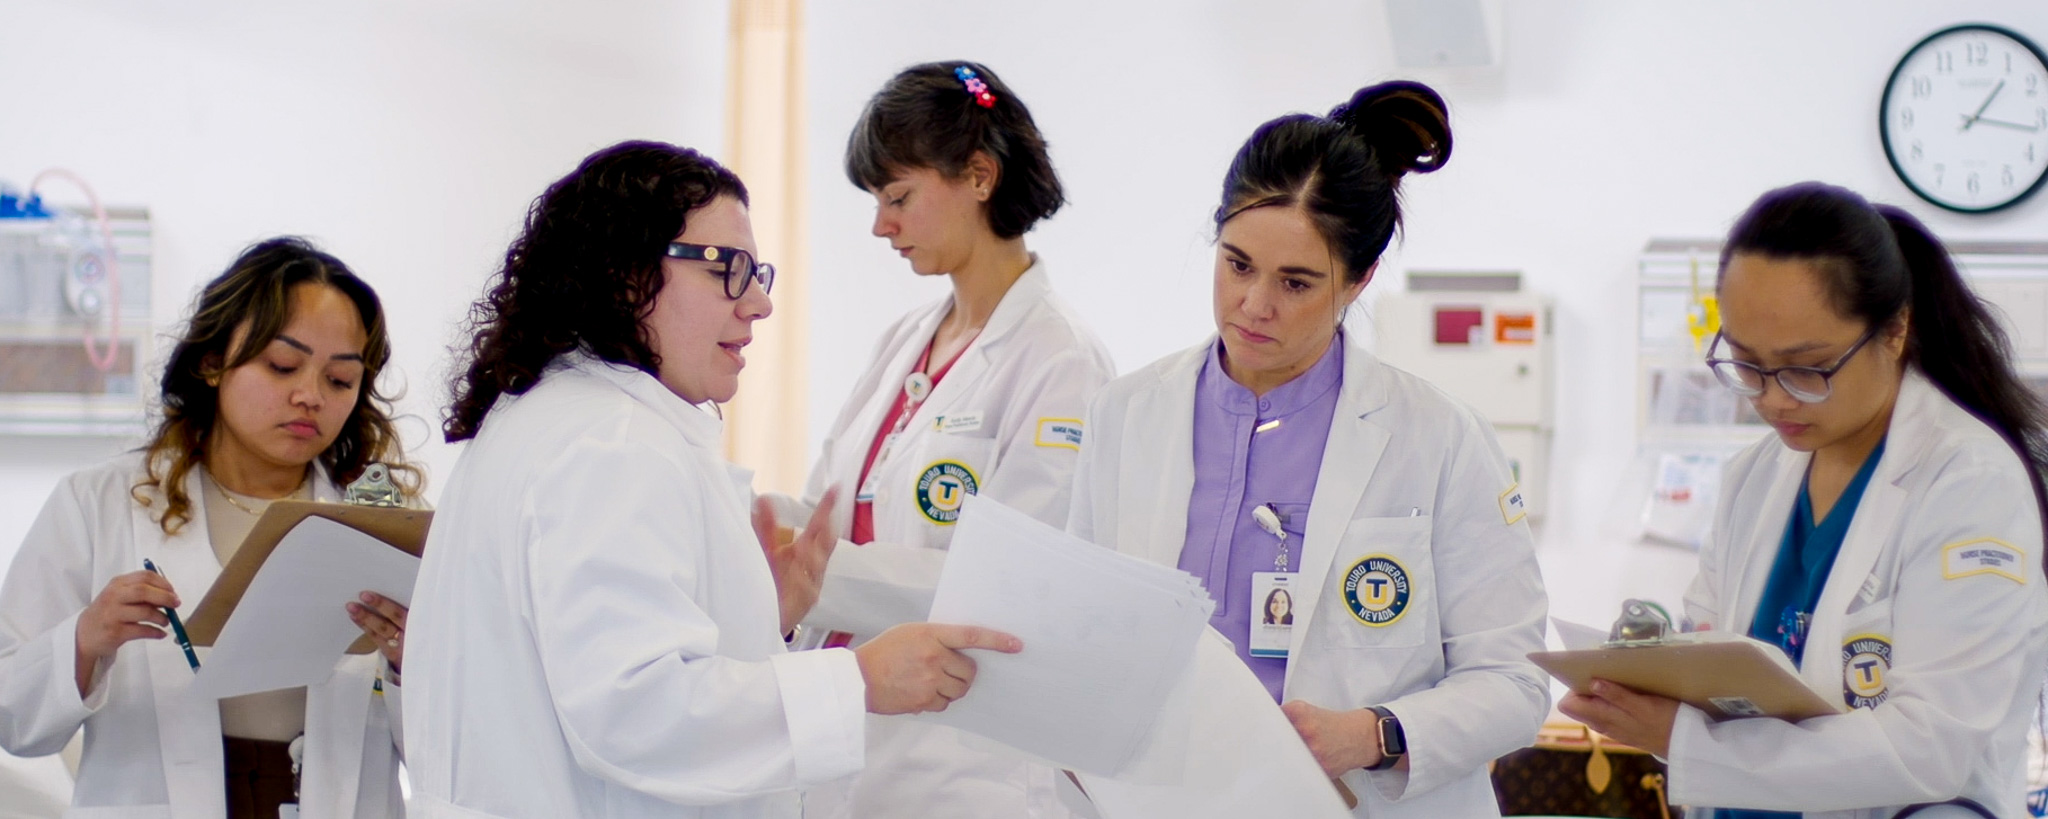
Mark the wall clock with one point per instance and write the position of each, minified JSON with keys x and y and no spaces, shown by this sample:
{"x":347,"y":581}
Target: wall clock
{"x":1965,"y":118}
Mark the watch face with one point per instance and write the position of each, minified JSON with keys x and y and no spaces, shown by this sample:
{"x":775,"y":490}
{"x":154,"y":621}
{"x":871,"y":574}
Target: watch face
{"x":1965,"y":118}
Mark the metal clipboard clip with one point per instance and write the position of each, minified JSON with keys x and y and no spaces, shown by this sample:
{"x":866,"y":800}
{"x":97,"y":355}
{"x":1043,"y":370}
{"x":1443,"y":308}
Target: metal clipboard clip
{"x":1642,"y":623}
{"x":375,"y":488}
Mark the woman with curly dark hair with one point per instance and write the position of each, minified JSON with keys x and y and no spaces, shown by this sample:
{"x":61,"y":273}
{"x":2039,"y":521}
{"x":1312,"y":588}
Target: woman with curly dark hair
{"x":270,"y":393}
{"x":610,"y":636}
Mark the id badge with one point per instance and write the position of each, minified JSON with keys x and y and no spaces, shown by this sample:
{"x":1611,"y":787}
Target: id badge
{"x":1272,"y":622}
{"x":288,"y":810}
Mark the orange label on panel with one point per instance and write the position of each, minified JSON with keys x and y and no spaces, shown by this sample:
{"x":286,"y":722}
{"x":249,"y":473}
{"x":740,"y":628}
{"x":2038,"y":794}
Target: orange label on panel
{"x":1514,"y":328}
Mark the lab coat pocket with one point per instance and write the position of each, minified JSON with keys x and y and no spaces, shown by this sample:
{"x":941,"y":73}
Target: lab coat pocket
{"x":943,"y":469}
{"x":1381,"y":589}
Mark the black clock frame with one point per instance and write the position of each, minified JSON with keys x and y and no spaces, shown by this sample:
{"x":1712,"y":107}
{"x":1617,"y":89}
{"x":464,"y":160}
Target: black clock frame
{"x":1884,"y":135}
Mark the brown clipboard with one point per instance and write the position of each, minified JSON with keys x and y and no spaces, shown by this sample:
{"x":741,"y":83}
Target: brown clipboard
{"x":401,"y":528}
{"x":1727,"y":679}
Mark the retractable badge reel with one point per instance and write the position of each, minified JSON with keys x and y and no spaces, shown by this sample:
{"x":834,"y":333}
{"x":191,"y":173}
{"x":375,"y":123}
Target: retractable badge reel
{"x":1272,"y":622}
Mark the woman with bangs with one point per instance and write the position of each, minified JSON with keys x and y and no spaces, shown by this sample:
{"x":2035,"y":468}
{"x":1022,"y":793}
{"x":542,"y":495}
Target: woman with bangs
{"x":980,"y":392}
{"x":270,"y":393}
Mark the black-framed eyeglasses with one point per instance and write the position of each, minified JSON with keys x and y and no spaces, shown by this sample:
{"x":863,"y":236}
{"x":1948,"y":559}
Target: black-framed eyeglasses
{"x":740,"y":266}
{"x":1808,"y":385}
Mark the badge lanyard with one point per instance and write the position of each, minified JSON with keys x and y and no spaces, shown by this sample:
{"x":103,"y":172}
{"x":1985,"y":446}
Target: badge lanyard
{"x":917,"y":386}
{"x":1272,"y":620}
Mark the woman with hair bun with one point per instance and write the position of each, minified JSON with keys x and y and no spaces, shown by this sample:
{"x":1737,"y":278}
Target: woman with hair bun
{"x":1278,"y":454}
{"x":980,"y":392}
{"x":1888,"y":536}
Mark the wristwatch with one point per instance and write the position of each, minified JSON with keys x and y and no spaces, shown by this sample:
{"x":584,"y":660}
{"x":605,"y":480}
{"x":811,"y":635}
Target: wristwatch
{"x":1393,"y":742}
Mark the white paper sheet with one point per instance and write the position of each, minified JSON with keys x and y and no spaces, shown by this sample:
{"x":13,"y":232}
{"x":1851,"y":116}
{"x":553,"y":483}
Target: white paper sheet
{"x":870,"y":587}
{"x":1221,"y":749}
{"x":1106,"y":637}
{"x":290,"y":628}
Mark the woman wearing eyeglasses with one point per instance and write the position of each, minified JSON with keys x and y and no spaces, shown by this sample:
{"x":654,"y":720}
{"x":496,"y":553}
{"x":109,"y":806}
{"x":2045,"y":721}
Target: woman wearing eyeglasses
{"x":611,"y":636}
{"x":981,"y":392}
{"x":1888,"y":537}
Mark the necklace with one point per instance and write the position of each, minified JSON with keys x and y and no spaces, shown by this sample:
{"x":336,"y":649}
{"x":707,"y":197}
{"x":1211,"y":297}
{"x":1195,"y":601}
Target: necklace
{"x":230,"y":497}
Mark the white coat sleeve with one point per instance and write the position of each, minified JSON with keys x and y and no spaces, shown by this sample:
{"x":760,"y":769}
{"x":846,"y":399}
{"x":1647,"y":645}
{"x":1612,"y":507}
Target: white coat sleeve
{"x":1033,"y":474}
{"x":48,"y":585}
{"x":1960,"y":666}
{"x":1492,"y":700}
{"x":631,"y":654}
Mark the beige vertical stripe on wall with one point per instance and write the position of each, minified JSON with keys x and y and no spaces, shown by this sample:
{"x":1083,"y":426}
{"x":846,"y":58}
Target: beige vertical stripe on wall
{"x":764,"y":138}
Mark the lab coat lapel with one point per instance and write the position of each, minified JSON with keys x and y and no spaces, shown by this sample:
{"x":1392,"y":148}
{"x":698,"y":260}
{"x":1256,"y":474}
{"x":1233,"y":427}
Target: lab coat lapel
{"x":850,"y":449}
{"x":1877,"y":517}
{"x":961,"y":388}
{"x":1351,"y":456}
{"x":1744,"y":584}
{"x":1154,"y":524}
{"x":188,"y":725}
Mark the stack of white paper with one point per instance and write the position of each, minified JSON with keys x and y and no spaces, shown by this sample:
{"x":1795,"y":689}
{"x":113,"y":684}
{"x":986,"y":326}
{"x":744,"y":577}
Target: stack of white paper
{"x":1222,"y":750}
{"x":1106,"y":638}
{"x":290,"y":628}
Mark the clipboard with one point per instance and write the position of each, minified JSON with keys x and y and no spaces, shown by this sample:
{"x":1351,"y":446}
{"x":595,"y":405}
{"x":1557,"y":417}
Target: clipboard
{"x":400,"y":528}
{"x":1728,"y":676}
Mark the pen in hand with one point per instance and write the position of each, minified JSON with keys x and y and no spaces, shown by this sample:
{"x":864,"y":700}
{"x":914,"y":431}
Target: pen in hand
{"x":177,"y":625}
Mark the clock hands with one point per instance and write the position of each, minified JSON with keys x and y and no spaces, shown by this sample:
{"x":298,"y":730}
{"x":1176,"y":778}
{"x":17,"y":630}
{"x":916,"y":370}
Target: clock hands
{"x":1972,"y":119}
{"x":1998,"y":122}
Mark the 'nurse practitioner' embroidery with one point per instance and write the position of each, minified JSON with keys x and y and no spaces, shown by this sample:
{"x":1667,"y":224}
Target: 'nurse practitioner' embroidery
{"x":1376,"y":590}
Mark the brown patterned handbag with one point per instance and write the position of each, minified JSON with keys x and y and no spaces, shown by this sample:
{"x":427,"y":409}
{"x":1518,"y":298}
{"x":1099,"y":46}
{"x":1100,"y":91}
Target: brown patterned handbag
{"x":1572,"y":771}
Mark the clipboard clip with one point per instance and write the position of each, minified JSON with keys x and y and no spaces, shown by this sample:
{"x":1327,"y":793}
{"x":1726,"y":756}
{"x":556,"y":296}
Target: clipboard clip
{"x":375,"y":488}
{"x":1642,"y":623}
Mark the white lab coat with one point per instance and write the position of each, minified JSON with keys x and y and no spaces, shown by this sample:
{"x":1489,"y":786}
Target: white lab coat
{"x":152,"y":746}
{"x":1967,"y":653}
{"x":595,"y":632}
{"x":1410,"y":473}
{"x":1023,"y":385}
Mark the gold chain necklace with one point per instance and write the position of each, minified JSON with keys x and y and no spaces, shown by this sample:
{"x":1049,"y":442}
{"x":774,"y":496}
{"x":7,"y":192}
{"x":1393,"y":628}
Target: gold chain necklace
{"x":230,"y":498}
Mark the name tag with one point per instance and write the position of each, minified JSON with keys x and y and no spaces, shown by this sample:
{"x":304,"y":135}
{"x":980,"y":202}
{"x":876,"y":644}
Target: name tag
{"x":1984,"y":556}
{"x":957,"y":423}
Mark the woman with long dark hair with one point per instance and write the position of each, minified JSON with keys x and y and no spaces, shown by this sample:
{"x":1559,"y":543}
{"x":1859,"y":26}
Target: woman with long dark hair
{"x":270,"y":393}
{"x":1888,"y":536}
{"x":1279,"y":454}
{"x":600,"y":631}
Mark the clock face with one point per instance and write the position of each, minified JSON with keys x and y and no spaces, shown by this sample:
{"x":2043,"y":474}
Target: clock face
{"x":1965,"y":118}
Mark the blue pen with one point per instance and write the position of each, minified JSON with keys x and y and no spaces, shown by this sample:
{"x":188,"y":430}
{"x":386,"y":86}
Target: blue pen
{"x":177,"y":626}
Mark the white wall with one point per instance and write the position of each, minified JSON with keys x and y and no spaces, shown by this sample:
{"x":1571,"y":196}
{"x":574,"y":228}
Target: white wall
{"x":407,"y":138}
{"x":1604,"y":124}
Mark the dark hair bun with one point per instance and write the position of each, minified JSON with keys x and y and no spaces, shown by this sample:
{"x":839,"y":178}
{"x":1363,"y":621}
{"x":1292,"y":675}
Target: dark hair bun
{"x":1406,"y":123}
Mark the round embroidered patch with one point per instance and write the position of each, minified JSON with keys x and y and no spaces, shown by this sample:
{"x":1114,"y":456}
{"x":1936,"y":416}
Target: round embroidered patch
{"x":1376,"y":590}
{"x":1865,"y":659}
{"x":942,"y":488}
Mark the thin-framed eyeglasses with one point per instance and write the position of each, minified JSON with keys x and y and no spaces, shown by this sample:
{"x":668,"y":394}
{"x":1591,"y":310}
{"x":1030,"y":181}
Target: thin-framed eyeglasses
{"x":1808,"y":385}
{"x":740,"y":266}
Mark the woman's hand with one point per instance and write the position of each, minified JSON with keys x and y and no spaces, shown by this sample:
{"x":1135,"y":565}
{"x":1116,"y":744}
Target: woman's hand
{"x":129,"y":608}
{"x":798,"y":563}
{"x":1638,"y":720}
{"x":917,"y":667}
{"x":384,"y":620}
{"x":1340,"y":740}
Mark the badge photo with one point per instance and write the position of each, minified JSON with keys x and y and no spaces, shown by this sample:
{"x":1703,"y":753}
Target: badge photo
{"x":1376,"y":589}
{"x":942,"y":488}
{"x":1865,"y":660}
